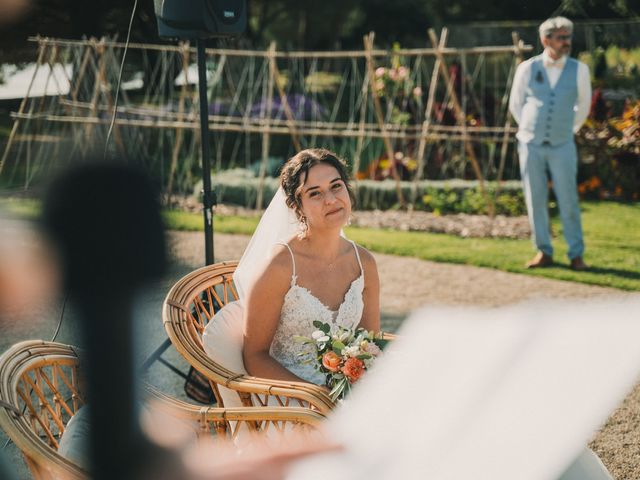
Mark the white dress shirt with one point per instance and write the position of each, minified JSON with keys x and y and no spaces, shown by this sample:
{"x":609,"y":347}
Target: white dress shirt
{"x":553,"y":69}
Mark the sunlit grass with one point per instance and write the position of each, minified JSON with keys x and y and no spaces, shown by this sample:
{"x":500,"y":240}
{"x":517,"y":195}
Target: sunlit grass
{"x":612,"y":237}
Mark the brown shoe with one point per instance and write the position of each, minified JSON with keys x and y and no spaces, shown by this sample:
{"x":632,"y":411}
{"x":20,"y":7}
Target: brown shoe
{"x":541,"y":260}
{"x":578,"y":264}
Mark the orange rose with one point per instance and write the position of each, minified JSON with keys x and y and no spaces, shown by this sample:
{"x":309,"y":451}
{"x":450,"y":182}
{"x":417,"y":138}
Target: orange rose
{"x":331,"y":361}
{"x":353,"y":369}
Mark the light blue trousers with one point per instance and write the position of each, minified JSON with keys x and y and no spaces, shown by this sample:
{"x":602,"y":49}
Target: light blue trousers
{"x":537,"y":163}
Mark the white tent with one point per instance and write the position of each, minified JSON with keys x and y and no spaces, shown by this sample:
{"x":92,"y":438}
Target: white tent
{"x":47,"y":81}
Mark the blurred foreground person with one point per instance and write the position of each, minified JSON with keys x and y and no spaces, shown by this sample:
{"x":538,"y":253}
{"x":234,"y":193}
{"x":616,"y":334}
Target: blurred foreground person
{"x":28,"y":280}
{"x":104,"y":222}
{"x":12,"y":10}
{"x":28,"y":271}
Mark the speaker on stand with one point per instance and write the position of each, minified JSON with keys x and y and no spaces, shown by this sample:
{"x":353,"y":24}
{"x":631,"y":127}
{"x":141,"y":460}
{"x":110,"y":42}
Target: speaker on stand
{"x":199,"y":20}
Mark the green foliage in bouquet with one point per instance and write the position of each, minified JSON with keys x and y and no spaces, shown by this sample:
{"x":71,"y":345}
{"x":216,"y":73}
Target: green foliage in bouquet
{"x":341,"y":354}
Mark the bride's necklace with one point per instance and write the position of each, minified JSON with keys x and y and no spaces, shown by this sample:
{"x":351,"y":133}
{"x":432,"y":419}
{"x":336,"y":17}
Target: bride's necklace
{"x":330,"y":265}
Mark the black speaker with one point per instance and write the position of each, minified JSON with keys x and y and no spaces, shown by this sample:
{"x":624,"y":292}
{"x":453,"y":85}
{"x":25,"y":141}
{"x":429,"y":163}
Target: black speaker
{"x":201,"y":18}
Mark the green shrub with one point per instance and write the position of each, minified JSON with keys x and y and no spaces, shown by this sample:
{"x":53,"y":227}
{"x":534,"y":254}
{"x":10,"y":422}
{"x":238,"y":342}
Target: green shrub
{"x":240,"y":187}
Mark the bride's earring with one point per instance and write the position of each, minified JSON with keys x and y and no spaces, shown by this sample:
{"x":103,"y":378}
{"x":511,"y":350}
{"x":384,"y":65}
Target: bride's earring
{"x":349,"y":220}
{"x":304,"y":227}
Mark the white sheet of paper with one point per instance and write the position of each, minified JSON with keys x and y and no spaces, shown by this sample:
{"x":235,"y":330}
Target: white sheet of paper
{"x":506,"y":393}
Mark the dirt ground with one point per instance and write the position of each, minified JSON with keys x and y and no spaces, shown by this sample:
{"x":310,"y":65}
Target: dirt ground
{"x":408,"y":283}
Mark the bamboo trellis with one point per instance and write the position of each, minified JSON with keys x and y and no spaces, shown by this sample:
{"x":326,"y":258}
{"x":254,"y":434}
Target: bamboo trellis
{"x":267,"y":104}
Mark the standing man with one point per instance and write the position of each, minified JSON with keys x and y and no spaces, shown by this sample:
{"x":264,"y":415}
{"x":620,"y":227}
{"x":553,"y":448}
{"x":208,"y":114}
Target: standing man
{"x":550,"y":100}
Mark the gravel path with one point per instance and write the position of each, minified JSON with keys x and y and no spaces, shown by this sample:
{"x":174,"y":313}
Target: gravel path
{"x":617,"y":443}
{"x":430,"y":282}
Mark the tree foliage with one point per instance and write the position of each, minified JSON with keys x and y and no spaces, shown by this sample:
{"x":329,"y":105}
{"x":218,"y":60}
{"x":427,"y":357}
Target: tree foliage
{"x":306,"y":24}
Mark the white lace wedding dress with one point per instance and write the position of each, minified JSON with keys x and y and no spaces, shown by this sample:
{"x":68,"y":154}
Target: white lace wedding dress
{"x":300,"y":309}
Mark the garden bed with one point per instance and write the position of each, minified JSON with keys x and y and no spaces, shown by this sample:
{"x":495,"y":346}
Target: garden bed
{"x":463,"y":225}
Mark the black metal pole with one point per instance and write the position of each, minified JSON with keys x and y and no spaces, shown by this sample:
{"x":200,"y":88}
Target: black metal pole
{"x":208,"y":198}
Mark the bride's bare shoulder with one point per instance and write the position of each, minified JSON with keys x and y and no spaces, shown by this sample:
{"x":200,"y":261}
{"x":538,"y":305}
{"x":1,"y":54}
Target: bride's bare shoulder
{"x":369,"y":265}
{"x":279,"y":265}
{"x":365,"y":255}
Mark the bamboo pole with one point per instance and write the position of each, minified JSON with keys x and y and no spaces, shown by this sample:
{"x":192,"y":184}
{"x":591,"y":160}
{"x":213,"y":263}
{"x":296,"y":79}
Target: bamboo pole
{"x":462,"y":122}
{"x":179,"y":131}
{"x":285,"y":103}
{"x":426,"y":124}
{"x":407,"y":52}
{"x":110,"y":102}
{"x":98,"y":73}
{"x":81,"y":72}
{"x":368,"y":43}
{"x":256,"y":128}
{"x":79,"y":78}
{"x":266,"y":134}
{"x":16,"y":124}
{"x":300,"y":124}
{"x":361,"y":123}
{"x":50,"y":63}
{"x":507,"y":125}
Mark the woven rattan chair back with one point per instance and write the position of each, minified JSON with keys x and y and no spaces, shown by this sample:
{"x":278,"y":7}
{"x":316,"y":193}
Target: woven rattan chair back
{"x":40,"y":390}
{"x":189,"y":306}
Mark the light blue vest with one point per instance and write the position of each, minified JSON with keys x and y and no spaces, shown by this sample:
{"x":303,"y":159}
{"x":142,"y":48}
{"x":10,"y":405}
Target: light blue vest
{"x":548,"y":113}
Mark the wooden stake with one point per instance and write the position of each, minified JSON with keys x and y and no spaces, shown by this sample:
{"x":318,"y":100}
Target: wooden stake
{"x":81,"y":71}
{"x":110,"y":103}
{"x":285,"y":103}
{"x":361,"y":124}
{"x":433,"y":85}
{"x":258,"y":128}
{"x":368,"y":43}
{"x":178,"y":139}
{"x":99,"y":74}
{"x":405,"y":52}
{"x":16,"y":124}
{"x":462,"y":121}
{"x":265,"y":135}
{"x":517,"y":43}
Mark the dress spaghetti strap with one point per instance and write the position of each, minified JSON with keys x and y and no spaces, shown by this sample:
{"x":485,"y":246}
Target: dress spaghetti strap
{"x":293,"y":260}
{"x":357,"y":256}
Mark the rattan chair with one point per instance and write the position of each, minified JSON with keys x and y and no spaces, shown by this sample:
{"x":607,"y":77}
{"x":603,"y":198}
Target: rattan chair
{"x":190,"y":305}
{"x":40,"y":390}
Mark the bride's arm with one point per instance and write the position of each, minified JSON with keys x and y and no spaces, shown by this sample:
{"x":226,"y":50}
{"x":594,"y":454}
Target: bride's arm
{"x":371,"y":294}
{"x":261,"y":317}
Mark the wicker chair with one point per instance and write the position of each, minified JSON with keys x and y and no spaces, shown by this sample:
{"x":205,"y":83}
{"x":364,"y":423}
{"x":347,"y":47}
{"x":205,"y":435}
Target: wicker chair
{"x":40,"y":391}
{"x":190,"y":305}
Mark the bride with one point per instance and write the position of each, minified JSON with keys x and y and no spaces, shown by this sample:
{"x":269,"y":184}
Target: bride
{"x":299,"y":268}
{"x":312,"y":274}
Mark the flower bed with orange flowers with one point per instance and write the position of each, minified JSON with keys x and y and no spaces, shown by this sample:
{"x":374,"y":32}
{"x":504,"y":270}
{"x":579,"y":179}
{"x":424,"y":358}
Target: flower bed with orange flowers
{"x":610,"y":153}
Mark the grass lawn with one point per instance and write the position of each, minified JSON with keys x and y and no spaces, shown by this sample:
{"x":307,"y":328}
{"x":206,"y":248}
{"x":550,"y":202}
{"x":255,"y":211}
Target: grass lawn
{"x":612,"y":237}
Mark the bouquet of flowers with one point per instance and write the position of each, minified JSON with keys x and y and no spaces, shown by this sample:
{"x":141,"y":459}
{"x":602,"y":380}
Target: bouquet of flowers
{"x":341,"y":354}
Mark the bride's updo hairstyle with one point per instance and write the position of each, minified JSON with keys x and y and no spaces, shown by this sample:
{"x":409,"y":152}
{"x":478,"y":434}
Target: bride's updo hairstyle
{"x":295,"y":172}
